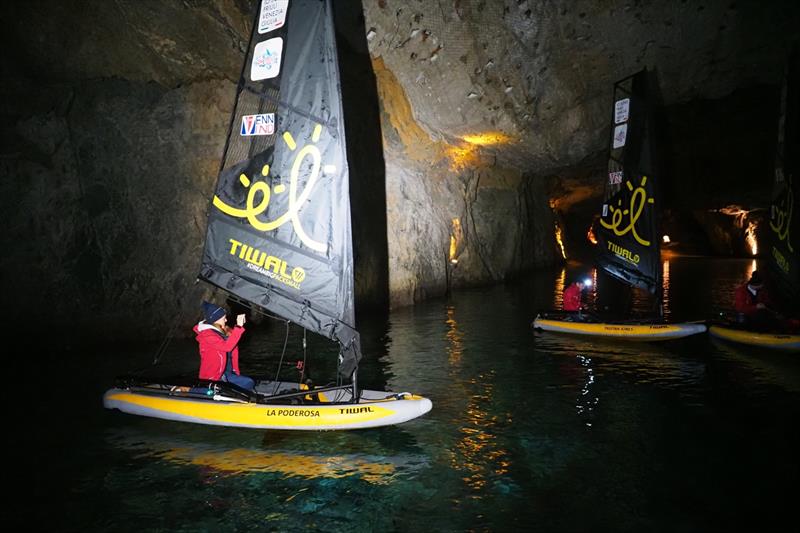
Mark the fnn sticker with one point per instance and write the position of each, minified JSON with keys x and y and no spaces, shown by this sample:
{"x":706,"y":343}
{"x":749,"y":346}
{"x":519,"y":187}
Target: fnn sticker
{"x":620,"y":132}
{"x":263,"y":124}
{"x":615,"y":178}
{"x":266,"y":62}
{"x":605,"y":210}
{"x":621,"y":110}
{"x":272,"y":15}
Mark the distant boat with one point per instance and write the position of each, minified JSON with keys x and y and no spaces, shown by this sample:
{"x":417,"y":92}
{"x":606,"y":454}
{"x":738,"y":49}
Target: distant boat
{"x":628,"y":240}
{"x":784,"y":227}
{"x":279,"y":235}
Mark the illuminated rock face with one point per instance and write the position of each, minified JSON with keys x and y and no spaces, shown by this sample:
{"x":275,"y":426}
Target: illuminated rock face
{"x":485,"y":110}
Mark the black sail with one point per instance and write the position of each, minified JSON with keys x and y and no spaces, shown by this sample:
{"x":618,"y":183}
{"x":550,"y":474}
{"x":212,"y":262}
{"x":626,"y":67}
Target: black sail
{"x":784,"y":220}
{"x":279,"y":232}
{"x":627,"y":233}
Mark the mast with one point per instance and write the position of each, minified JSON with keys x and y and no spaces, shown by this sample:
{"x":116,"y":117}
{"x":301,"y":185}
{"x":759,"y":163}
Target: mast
{"x":627,"y":233}
{"x":279,"y":230}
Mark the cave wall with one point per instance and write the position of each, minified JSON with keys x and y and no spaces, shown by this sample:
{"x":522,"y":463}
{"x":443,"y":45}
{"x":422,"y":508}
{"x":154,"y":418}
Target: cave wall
{"x":113,"y":121}
{"x":113,"y":118}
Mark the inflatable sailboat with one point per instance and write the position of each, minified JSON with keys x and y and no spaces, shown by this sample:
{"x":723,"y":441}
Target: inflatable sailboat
{"x":279,"y":234}
{"x":628,"y":242}
{"x":784,"y":226}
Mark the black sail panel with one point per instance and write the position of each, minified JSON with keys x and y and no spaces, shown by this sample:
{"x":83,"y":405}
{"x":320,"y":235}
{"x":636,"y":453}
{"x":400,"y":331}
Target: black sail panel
{"x":279,"y":232}
{"x":784,"y":220}
{"x":627,"y":233}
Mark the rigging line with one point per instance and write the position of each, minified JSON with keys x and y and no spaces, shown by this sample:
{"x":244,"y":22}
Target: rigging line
{"x":303,"y":370}
{"x":171,"y":332}
{"x":280,"y":363}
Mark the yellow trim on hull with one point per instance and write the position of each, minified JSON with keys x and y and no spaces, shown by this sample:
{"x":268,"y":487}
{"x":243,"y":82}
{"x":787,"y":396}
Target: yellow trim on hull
{"x":311,"y":417}
{"x":649,"y":332}
{"x":790,"y":343}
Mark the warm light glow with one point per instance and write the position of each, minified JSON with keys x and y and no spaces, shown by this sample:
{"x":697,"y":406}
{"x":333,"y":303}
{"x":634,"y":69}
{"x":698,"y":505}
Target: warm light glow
{"x":456,"y":240}
{"x":740,"y":217}
{"x":750,"y":237}
{"x":560,"y":242}
{"x":462,"y":156}
{"x":561,"y":281}
{"x":590,"y":235}
{"x":751,"y":269}
{"x":665,"y":239}
{"x":487,"y":138}
{"x":665,"y":287}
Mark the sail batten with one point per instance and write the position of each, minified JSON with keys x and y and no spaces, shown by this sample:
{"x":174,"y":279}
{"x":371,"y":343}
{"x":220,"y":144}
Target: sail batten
{"x":627,"y":231}
{"x":279,"y":230}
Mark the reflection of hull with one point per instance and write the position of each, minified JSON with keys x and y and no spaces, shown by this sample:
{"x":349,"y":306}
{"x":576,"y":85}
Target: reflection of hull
{"x":775,"y":341}
{"x":373,"y":409}
{"x":376,"y":469}
{"x":622,"y":331}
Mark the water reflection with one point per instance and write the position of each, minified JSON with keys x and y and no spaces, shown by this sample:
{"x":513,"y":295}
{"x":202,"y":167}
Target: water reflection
{"x":587,"y":400}
{"x":235,"y":460}
{"x":479,"y":453}
{"x":454,"y":344}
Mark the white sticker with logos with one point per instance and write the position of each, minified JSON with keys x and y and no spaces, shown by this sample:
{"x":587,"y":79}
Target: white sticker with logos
{"x":266,"y":59}
{"x":621,"y":110}
{"x":620,"y":132}
{"x":263,"y":124}
{"x":272,"y":15}
{"x":615,"y":178}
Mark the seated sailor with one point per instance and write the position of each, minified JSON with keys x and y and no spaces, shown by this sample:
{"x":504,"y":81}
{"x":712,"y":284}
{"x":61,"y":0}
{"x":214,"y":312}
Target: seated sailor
{"x":219,"y":351}
{"x":753,"y":303}
{"x":573,"y":293}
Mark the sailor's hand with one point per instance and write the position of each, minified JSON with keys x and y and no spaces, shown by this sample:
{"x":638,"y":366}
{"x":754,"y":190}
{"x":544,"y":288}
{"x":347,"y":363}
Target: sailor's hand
{"x":240,"y":320}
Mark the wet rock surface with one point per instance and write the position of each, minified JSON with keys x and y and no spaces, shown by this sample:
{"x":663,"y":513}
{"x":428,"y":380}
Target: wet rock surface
{"x":487,"y":122}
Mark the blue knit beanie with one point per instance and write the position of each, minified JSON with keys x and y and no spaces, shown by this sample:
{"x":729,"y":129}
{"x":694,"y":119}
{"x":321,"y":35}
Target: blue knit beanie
{"x":212,"y":312}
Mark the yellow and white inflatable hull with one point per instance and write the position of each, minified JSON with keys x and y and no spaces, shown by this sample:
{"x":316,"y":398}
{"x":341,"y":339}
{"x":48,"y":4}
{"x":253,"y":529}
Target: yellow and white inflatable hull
{"x":632,"y":332}
{"x":374,"y":409}
{"x":773,"y":341}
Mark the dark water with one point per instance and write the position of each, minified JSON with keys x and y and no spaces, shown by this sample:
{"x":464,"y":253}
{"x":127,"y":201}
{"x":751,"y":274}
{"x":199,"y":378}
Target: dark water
{"x":531,"y":432}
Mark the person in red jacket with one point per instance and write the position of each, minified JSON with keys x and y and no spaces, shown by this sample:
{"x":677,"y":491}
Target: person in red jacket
{"x":572,"y":295}
{"x":219,"y":351}
{"x":752,"y":301}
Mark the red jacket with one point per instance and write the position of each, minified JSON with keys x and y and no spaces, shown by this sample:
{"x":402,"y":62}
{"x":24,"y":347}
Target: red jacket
{"x":572,"y":297}
{"x":746,"y":303}
{"x":214,"y":349}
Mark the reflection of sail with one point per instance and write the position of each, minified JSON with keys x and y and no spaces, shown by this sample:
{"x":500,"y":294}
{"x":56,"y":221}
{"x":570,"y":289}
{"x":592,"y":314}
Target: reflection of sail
{"x":290,"y":463}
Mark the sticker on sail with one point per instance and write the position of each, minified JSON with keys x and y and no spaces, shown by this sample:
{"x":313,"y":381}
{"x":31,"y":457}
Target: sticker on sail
{"x":263,"y":124}
{"x":266,"y":59}
{"x":620,"y":132}
{"x":621,"y":109}
{"x":605,"y":210}
{"x":615,"y":178}
{"x":272,"y":15}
